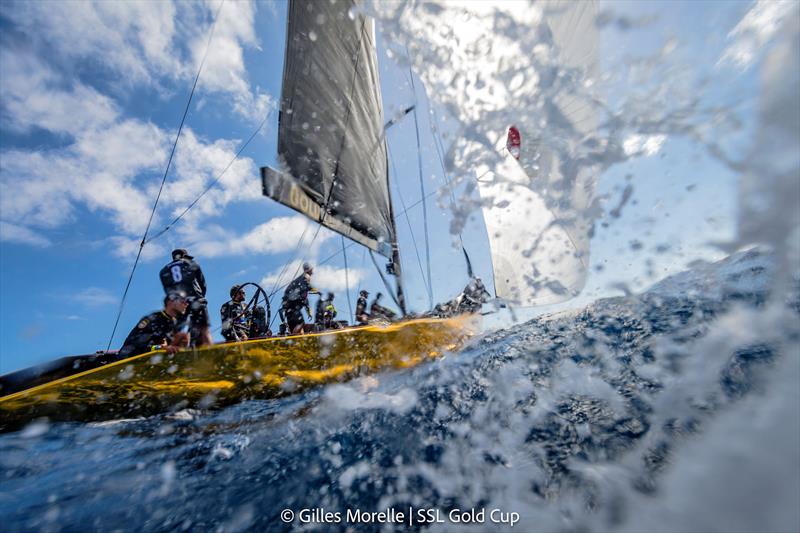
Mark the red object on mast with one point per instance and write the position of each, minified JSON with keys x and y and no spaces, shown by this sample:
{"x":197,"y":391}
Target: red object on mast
{"x":514,"y":142}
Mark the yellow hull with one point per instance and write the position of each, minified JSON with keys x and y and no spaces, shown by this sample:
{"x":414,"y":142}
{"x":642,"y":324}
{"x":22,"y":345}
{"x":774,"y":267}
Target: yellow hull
{"x":224,"y":374}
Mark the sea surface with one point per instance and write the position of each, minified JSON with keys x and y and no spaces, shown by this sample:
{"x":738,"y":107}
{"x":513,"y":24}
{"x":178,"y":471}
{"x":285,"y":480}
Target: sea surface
{"x":673,"y":410}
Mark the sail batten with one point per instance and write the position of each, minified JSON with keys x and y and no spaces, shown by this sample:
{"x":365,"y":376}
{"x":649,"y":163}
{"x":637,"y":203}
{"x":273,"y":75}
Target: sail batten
{"x":330,"y":133}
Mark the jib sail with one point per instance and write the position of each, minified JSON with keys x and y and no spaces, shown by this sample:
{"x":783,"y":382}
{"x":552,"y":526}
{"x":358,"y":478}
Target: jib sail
{"x":539,"y":240}
{"x":330,"y":134}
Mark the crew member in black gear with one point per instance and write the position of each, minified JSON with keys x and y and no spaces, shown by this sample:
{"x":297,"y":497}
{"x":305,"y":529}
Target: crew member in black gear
{"x":319,"y":314}
{"x":235,"y":318}
{"x":325,"y":313}
{"x":470,"y":300}
{"x":376,"y":310}
{"x":258,"y":323}
{"x":473,"y":296}
{"x":183,"y":273}
{"x":161,"y":329}
{"x":362,"y":316}
{"x":295,"y":299}
{"x":329,"y":313}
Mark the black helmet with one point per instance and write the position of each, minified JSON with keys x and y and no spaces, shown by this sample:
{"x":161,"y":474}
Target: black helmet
{"x":364,"y":293}
{"x":175,"y":295}
{"x":330,"y":296}
{"x":235,"y":290}
{"x":179,"y":253}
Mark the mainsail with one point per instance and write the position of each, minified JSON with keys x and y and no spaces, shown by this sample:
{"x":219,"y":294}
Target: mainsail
{"x":537,"y":224}
{"x":331,"y":136}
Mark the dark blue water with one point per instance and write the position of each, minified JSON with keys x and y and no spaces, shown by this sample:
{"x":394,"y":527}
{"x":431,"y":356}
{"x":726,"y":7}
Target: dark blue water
{"x":573,"y":422}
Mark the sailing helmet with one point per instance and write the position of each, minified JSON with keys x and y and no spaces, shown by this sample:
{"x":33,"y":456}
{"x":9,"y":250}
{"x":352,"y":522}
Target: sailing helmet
{"x":179,"y":253}
{"x":175,"y":295}
{"x":235,"y":290}
{"x":307,"y":268}
{"x":364,"y":293}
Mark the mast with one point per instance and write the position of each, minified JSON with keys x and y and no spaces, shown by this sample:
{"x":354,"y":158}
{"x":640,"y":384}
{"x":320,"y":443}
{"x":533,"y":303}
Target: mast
{"x":394,"y":267}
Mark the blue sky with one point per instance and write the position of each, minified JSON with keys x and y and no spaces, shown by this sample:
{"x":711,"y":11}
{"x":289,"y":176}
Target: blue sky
{"x":92,"y":95}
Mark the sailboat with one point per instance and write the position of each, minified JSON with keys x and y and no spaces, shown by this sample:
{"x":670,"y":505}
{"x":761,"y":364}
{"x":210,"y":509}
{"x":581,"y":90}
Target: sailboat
{"x":334,"y":170}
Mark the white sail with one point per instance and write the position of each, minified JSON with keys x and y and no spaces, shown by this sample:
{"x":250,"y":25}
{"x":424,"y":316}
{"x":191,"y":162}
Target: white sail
{"x":536,"y":200}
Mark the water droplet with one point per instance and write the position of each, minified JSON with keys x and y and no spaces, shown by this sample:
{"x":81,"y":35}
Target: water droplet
{"x":312,"y":35}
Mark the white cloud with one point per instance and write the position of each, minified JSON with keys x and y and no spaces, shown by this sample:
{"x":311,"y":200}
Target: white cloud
{"x":278,"y":235}
{"x":12,"y":233}
{"x":224,"y":70}
{"x":328,"y":278}
{"x":197,"y":164}
{"x":111,"y":164}
{"x":134,"y":38}
{"x":325,"y":278}
{"x":35,"y":96}
{"x":152,"y":43}
{"x":95,"y":297}
{"x":127,"y":247}
{"x":754,"y":31}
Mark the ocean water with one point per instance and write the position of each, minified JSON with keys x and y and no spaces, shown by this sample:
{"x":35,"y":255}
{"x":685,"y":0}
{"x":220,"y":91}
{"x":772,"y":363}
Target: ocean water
{"x":673,"y":410}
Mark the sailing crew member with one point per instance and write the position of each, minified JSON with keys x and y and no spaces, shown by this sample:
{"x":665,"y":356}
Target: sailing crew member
{"x":258,"y":323}
{"x":329,"y":313}
{"x":161,"y":329}
{"x":325,"y":313}
{"x":183,"y":273}
{"x":295,"y":299}
{"x":473,"y":296}
{"x":376,"y":310}
{"x":235,"y":318}
{"x":362,"y":317}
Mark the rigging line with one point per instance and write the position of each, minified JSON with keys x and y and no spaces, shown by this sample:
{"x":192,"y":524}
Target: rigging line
{"x":299,"y":266}
{"x":424,"y":205}
{"x":164,"y":179}
{"x":437,"y":143}
{"x":347,"y":281}
{"x":211,"y":185}
{"x":408,"y":221}
{"x":273,"y":290}
{"x":383,"y":279}
{"x":336,"y":254}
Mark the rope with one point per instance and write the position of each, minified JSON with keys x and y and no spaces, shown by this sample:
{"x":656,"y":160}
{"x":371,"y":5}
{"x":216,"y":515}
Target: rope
{"x":437,"y":143}
{"x":383,"y":279}
{"x":347,"y":281}
{"x":424,"y":205}
{"x":163,"y":179}
{"x":211,"y":185}
{"x":336,"y":254}
{"x":408,"y":221}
